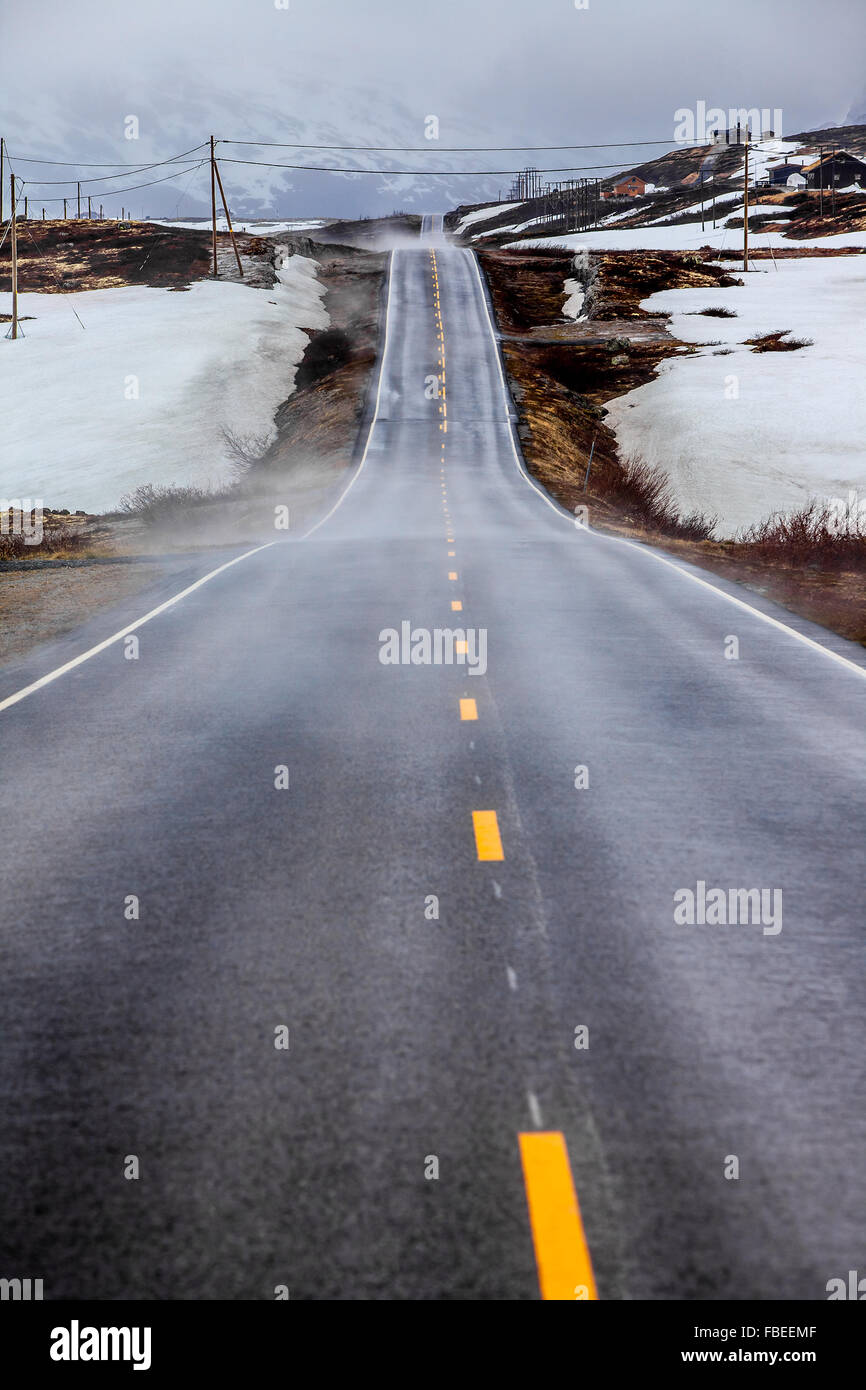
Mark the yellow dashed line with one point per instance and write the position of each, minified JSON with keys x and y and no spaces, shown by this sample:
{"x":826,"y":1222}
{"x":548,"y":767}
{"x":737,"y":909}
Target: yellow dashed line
{"x":456,"y":605}
{"x":561,"y":1253}
{"x":452,"y":574}
{"x":487,"y":839}
{"x":468,"y":709}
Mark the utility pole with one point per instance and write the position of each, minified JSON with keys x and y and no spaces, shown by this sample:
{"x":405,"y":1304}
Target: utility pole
{"x":713,"y":190}
{"x":821,"y":180}
{"x":746,"y":204}
{"x":228,"y":218}
{"x":14,"y":235}
{"x":79,"y":200}
{"x":64,"y":209}
{"x":88,"y":207}
{"x":702,"y":200}
{"x":833,"y":183}
{"x":213,"y":204}
{"x":2,"y":170}
{"x":25,"y":207}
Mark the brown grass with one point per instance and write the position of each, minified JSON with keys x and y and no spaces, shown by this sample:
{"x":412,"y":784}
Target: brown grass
{"x":778,"y":341}
{"x":816,"y":536}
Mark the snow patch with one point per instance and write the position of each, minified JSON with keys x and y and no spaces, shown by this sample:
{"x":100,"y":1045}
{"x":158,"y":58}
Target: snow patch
{"x":140,"y":395}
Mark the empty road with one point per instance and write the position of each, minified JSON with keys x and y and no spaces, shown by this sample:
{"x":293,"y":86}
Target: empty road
{"x":358,"y":1035}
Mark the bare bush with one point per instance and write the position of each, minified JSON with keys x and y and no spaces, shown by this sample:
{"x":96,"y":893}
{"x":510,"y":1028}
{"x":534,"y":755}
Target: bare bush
{"x":816,"y":535}
{"x":245,"y":450}
{"x":646,"y":492}
{"x":153,"y":503}
{"x":55,"y":540}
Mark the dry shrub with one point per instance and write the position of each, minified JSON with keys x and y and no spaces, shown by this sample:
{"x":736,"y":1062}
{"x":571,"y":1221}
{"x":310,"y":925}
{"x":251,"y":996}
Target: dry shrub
{"x":154,"y":503}
{"x":55,"y":539}
{"x":819,"y":536}
{"x":646,"y":493}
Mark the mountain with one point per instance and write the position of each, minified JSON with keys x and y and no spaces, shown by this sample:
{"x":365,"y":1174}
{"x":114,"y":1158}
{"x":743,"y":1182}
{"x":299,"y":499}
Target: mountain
{"x":180,"y":113}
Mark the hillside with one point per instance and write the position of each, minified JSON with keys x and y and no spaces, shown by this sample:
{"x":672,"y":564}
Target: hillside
{"x":684,"y":184}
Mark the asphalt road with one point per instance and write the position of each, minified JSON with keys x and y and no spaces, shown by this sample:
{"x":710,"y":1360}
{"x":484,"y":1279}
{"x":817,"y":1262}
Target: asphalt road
{"x":413,"y":1038}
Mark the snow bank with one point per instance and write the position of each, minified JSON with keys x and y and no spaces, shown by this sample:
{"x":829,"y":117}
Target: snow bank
{"x":750,"y":433}
{"x":685,"y":237}
{"x":576,"y":295}
{"x":485,"y":214}
{"x":254,"y":228}
{"x":141,"y":393}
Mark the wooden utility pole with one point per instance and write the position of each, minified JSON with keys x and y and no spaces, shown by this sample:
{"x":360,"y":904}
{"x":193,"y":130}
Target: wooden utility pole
{"x":713,"y":182}
{"x":213,"y":204}
{"x":702,"y":200}
{"x":746,"y":205}
{"x":88,"y":207}
{"x":228,"y":218}
{"x":14,"y":235}
{"x":833,"y":183}
{"x":64,"y":209}
{"x":25,"y":207}
{"x":79,"y":200}
{"x":821,"y":180}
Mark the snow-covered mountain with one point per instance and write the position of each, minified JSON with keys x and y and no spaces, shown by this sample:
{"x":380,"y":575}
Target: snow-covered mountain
{"x":179,"y":113}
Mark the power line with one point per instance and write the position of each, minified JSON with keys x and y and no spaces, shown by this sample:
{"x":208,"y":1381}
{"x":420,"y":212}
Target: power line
{"x":443,"y":149}
{"x":105,"y":178}
{"x":134,"y":187}
{"x":88,"y":164}
{"x":428,"y":173}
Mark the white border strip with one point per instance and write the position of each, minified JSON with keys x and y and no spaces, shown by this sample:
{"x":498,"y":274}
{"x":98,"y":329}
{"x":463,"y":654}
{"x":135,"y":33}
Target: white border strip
{"x":632,"y":545}
{"x":125,"y":631}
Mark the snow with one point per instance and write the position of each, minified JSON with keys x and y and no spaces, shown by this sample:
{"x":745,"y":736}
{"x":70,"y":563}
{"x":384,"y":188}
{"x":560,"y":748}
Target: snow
{"x":485,"y":214}
{"x":576,"y":295}
{"x":686,"y":236}
{"x":751,"y":433}
{"x":254,"y":228}
{"x":220,"y":354}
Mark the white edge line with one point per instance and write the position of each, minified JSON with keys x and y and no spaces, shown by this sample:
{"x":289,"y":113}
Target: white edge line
{"x":632,"y":545}
{"x":357,"y":473}
{"x":125,"y":631}
{"x":643,"y":550}
{"x":169,"y":603}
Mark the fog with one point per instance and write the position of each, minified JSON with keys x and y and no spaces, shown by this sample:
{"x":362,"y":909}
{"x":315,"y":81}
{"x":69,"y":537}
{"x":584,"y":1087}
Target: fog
{"x":334,"y":71}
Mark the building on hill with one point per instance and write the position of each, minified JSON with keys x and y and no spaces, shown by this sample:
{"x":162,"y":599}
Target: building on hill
{"x":790,"y":174}
{"x":632,"y":187}
{"x":836,"y":170}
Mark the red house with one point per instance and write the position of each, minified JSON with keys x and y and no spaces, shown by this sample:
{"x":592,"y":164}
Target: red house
{"x":632,"y":187}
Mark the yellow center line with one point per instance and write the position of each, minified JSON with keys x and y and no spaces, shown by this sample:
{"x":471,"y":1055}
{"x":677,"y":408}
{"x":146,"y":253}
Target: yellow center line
{"x":487,"y":839}
{"x":452,"y":574}
{"x":561,"y":1252}
{"x":468,"y":709}
{"x":456,"y":605}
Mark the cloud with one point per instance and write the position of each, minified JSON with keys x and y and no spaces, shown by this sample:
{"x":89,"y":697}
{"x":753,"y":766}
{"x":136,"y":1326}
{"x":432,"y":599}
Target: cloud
{"x":493,"y":71}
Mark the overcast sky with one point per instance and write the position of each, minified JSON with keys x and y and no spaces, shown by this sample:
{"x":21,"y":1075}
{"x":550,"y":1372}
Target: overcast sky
{"x":370,"y":71}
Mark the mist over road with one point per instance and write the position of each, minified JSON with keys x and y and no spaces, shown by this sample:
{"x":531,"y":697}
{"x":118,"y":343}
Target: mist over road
{"x":622,"y":755}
